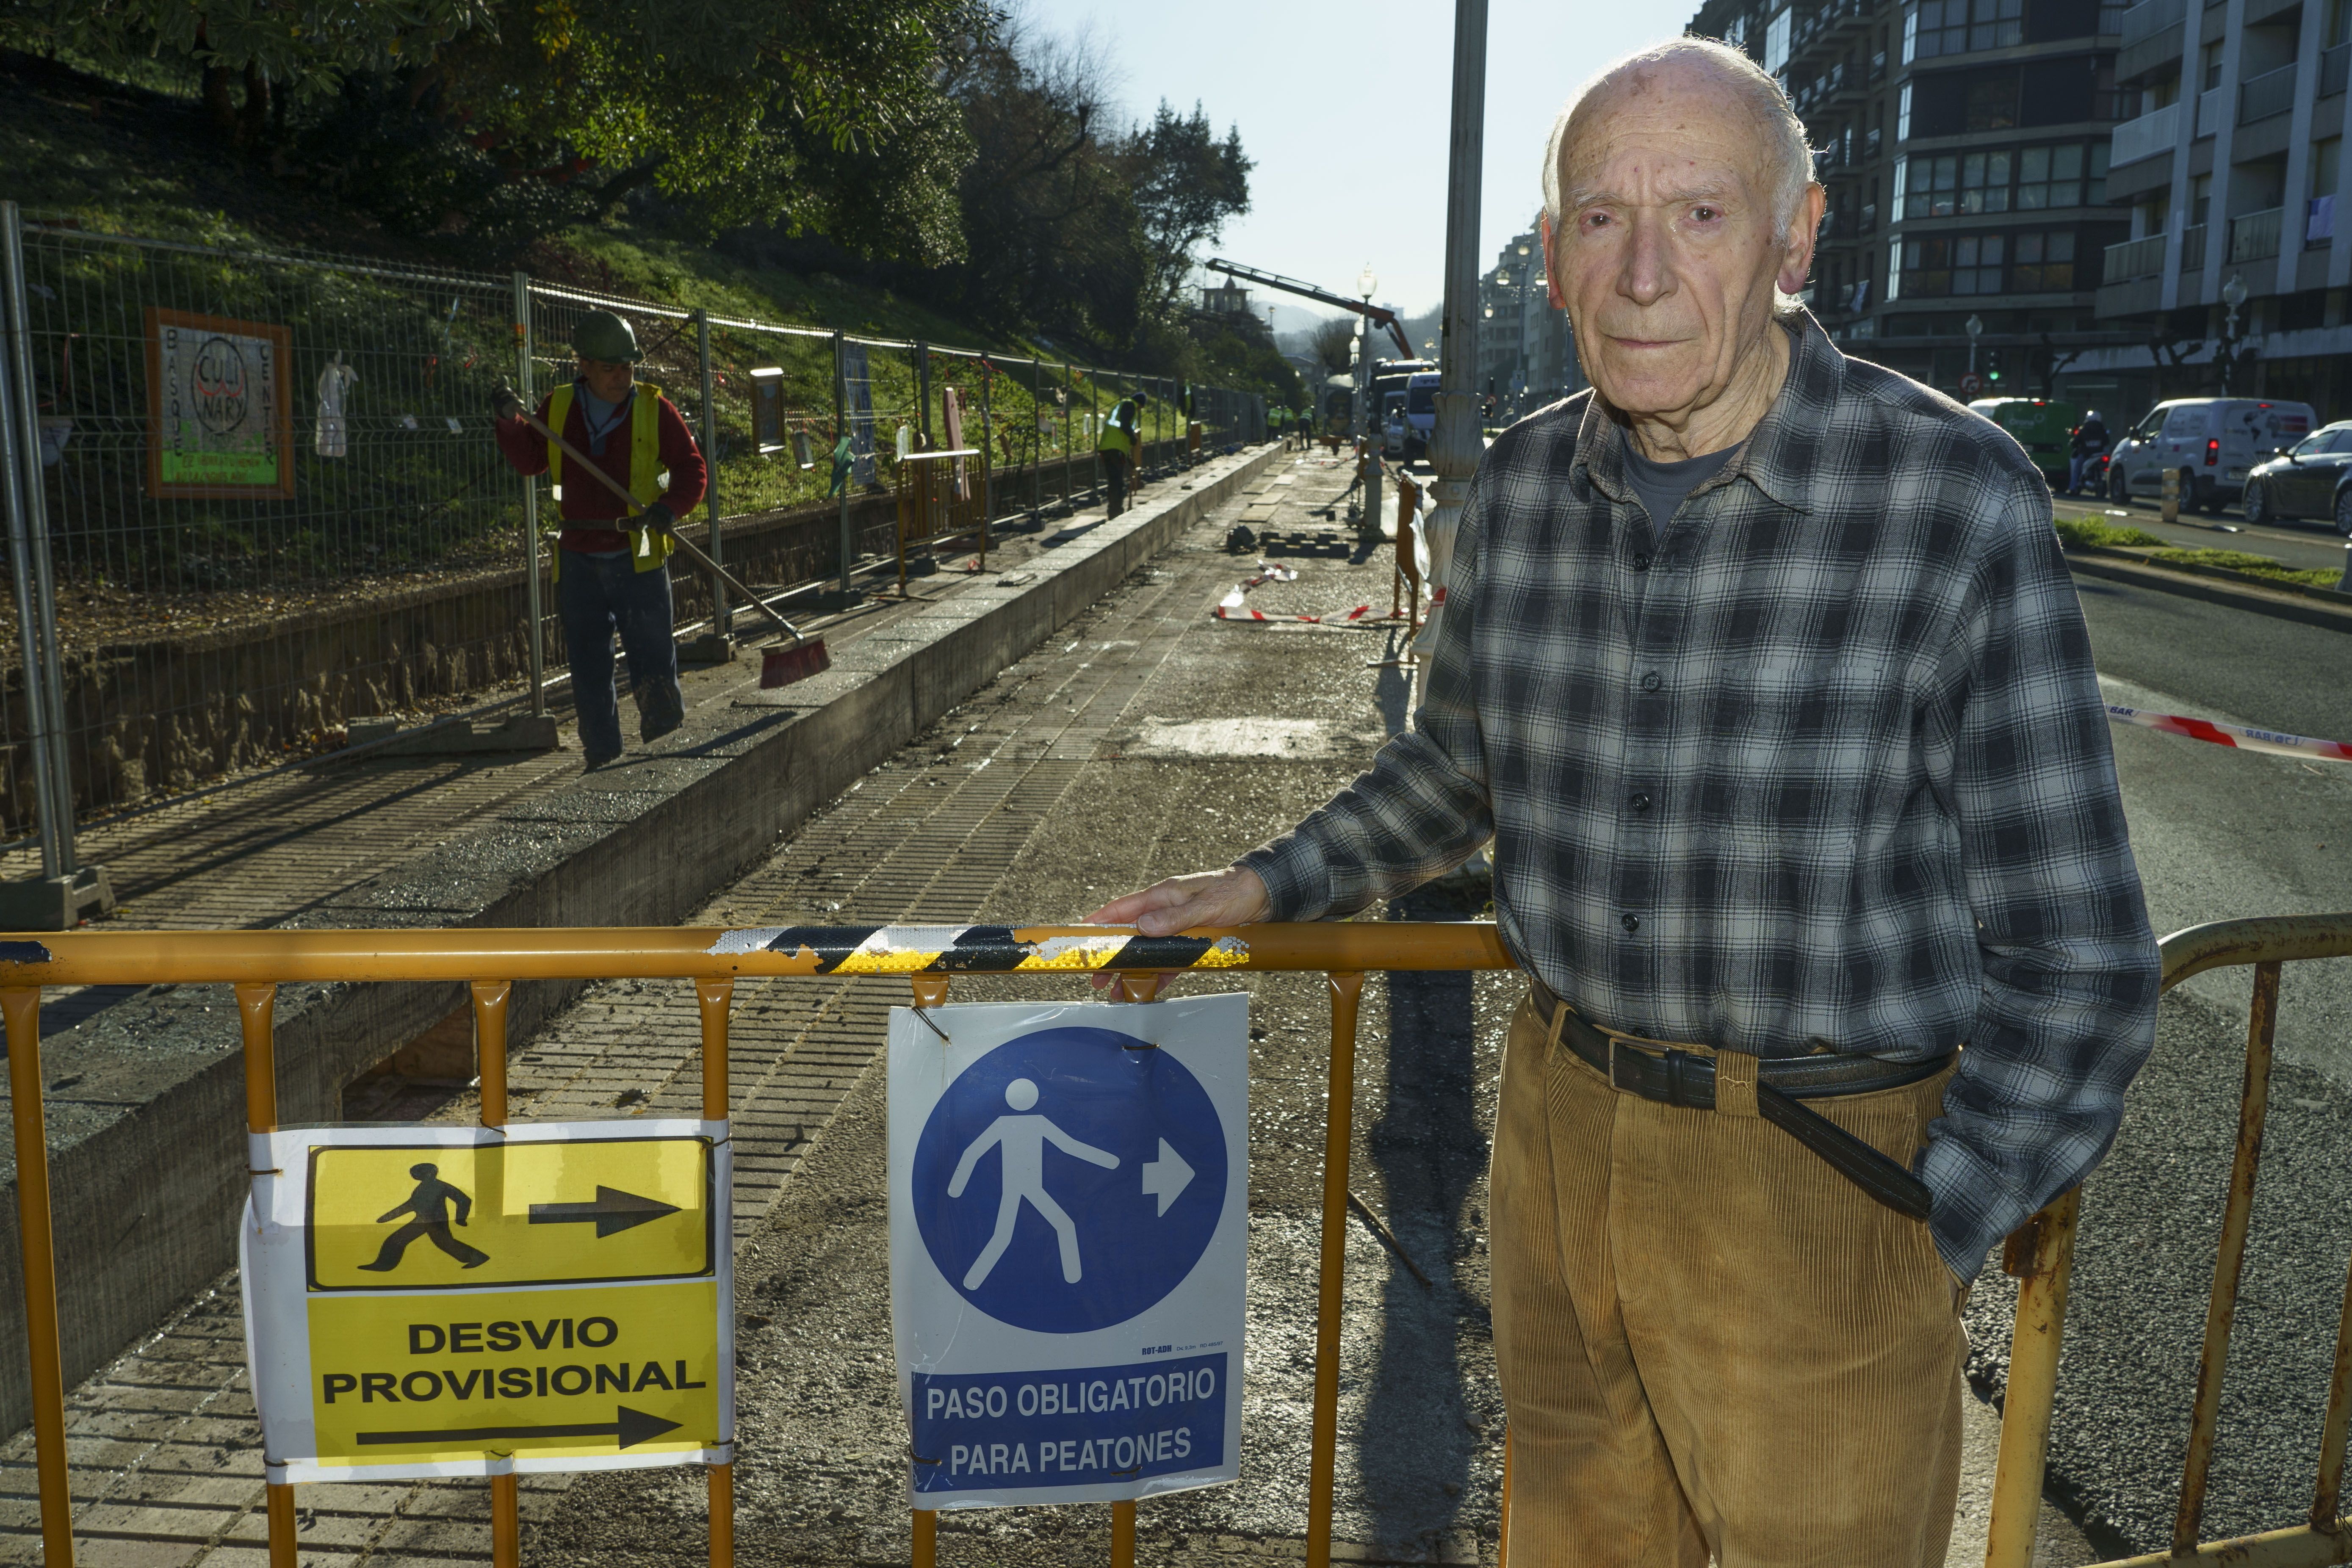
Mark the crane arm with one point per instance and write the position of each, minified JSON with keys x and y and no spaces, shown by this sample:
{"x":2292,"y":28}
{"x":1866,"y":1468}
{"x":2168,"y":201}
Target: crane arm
{"x":1378,"y":315}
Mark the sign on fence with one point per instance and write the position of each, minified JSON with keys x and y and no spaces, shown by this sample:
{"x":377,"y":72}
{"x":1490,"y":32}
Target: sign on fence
{"x":469,"y":1300}
{"x":1069,"y":1215}
{"x":219,"y":424}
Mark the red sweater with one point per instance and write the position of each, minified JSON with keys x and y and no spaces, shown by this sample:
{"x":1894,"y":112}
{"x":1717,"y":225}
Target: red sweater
{"x":585,"y":500}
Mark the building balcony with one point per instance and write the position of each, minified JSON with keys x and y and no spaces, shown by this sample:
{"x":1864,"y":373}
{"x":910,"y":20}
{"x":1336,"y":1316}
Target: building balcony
{"x":2135,"y":258}
{"x":2209,"y":111}
{"x":2259,"y":97}
{"x":2255,"y":235}
{"x":2151,"y":133}
{"x":2333,"y":69}
{"x":2149,"y":18}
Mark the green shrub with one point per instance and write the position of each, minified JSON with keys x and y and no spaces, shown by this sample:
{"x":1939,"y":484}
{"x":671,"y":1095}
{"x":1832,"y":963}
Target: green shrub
{"x":2079,"y":531}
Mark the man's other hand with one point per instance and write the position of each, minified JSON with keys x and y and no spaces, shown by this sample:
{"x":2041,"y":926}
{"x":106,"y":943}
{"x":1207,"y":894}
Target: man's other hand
{"x":506,"y":402}
{"x":657,"y":517}
{"x":1232,"y":896}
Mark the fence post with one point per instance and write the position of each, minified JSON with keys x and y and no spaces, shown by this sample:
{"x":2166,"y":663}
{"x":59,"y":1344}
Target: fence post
{"x":1069,"y":413}
{"x":987,"y":438}
{"x":51,"y":821}
{"x":719,"y":613}
{"x":923,"y":392}
{"x":533,"y":602}
{"x":849,"y":483}
{"x":75,"y":890}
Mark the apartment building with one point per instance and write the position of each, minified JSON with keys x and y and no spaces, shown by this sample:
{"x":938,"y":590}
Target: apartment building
{"x":1965,"y":147}
{"x":2231,"y":169}
{"x":1526,"y":356}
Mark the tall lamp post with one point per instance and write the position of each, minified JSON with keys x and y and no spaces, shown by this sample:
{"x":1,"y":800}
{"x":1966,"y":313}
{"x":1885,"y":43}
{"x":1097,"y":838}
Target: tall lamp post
{"x":1366,"y":281}
{"x":2234,"y":294}
{"x":1975,"y":326}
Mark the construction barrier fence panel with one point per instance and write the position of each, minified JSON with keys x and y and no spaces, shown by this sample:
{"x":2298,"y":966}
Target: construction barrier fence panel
{"x":254,"y":496}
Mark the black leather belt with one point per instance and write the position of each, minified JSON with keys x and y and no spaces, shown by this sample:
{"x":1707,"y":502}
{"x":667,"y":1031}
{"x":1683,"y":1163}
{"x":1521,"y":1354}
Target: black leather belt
{"x":1687,"y":1078}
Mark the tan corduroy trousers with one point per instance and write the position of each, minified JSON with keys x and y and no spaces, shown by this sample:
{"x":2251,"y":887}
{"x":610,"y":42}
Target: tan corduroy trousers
{"x":1710,"y":1342}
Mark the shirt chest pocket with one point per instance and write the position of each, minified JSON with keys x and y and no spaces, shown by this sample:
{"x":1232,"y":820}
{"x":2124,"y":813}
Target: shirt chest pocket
{"x":1834,"y":696}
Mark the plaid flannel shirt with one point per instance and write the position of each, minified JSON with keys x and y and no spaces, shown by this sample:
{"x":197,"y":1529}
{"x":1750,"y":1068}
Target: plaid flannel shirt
{"x":1820,"y":762}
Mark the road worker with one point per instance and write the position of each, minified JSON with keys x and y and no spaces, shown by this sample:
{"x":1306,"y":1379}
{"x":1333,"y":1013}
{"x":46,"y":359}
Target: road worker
{"x":1122,"y":440}
{"x":1761,"y":671}
{"x":612,"y":571}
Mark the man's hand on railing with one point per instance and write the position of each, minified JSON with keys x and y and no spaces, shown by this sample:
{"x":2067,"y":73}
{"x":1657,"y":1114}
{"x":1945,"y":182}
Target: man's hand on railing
{"x":1231,"y":897}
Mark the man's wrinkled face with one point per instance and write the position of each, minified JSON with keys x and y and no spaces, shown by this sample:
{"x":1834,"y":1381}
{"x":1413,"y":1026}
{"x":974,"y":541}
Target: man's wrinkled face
{"x":609,"y":379}
{"x":1667,"y":252}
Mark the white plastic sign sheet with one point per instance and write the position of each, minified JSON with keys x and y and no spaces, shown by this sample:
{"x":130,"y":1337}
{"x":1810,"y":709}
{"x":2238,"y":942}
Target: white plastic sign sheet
{"x":1069,"y":1200}
{"x":473,"y":1300}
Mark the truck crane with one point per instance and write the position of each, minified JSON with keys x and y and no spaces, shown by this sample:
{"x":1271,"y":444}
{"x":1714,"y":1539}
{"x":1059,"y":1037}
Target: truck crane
{"x":1377,"y":316}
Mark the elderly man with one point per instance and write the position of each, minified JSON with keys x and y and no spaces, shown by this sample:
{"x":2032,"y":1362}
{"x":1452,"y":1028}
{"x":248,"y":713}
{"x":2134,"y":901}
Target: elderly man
{"x":1762,"y":669}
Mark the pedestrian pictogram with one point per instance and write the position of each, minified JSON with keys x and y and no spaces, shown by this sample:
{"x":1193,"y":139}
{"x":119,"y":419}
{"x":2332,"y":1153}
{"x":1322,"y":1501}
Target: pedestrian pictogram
{"x":431,"y":1204}
{"x":1067,"y":1207}
{"x":455,"y":1300}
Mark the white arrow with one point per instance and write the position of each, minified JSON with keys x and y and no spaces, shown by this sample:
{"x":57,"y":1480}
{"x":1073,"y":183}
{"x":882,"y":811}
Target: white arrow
{"x":1166,"y":1177}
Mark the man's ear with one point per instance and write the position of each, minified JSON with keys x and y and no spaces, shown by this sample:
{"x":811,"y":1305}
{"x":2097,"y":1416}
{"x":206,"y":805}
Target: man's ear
{"x":1551,"y":268}
{"x":1804,"y":229}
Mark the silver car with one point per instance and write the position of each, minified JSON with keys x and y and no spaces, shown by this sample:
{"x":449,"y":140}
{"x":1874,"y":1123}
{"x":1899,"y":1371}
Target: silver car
{"x":2311,"y":478}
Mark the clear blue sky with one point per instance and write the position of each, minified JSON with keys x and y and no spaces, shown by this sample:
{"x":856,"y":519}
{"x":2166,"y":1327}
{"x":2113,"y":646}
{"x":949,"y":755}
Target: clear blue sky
{"x":1308,"y":80}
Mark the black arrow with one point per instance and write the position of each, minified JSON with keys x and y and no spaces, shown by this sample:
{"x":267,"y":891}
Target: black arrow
{"x":613,"y":1211}
{"x":632,"y":1428}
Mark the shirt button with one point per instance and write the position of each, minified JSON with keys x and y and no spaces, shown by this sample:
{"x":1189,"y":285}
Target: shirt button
{"x":1639,"y":800}
{"x":1652,"y":681}
{"x":1631,"y":923}
{"x":1640,"y":564}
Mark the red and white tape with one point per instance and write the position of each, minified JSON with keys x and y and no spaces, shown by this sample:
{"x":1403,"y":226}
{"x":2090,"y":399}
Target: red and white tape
{"x":1234,"y":611}
{"x":2246,"y":740}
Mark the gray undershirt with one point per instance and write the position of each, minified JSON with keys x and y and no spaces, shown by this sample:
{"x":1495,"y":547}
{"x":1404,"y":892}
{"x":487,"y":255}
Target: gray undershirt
{"x":1663,"y":487}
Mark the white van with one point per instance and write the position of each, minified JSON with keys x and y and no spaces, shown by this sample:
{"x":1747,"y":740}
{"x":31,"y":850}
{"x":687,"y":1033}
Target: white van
{"x":2213,"y":442}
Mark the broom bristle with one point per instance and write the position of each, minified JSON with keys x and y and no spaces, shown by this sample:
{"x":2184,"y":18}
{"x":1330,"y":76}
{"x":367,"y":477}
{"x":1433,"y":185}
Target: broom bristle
{"x":782,"y":666}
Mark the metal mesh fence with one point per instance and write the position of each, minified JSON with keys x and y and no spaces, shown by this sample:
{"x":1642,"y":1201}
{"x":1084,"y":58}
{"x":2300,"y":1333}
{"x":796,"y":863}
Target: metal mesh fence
{"x":269,"y":498}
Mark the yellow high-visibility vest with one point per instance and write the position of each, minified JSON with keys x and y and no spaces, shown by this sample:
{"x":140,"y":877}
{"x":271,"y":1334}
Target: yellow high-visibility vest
{"x":649,"y":549}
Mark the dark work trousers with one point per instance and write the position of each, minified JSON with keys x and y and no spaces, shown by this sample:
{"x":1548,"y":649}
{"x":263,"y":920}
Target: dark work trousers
{"x":602,"y":592}
{"x":1114,"y":475}
{"x":437,"y":1232}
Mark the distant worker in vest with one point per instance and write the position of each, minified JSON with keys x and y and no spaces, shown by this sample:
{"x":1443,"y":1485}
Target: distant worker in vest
{"x":1123,"y":438}
{"x":612,"y":564}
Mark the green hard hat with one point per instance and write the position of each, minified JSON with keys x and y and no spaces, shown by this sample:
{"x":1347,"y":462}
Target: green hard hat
{"x":602,"y":335}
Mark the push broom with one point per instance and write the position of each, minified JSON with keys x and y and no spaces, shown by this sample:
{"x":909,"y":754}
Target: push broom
{"x":778,"y":665}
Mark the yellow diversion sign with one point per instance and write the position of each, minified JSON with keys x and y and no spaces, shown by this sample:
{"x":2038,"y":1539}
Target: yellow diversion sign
{"x":461,"y":1300}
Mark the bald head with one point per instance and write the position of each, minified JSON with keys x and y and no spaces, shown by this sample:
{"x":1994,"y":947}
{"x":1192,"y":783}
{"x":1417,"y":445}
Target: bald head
{"x":1775,"y":136}
{"x":1679,"y":209}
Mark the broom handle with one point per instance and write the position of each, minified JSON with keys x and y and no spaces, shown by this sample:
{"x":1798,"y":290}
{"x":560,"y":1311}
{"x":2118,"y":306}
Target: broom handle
{"x":685,"y":549}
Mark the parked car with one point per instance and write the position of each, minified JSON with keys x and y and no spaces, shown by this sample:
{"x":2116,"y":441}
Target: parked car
{"x":2213,"y":443}
{"x":2043,"y":428}
{"x":2313,"y":479}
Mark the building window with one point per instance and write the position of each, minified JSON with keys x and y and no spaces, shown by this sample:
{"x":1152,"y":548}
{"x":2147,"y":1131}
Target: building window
{"x":1903,"y":114}
{"x":1958,"y":26}
{"x":1895,"y":272}
{"x":2043,"y":263}
{"x":1956,"y":183}
{"x":1910,"y":36}
{"x":1776,"y":40}
{"x":1960,"y":264}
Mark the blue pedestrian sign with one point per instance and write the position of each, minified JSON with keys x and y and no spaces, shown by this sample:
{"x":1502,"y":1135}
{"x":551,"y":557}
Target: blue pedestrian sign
{"x":1068,"y":1204}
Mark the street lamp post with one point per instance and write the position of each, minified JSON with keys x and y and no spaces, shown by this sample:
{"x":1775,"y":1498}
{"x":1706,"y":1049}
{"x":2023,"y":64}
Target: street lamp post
{"x":1367,"y":282}
{"x":2234,"y":294}
{"x":1459,"y":441}
{"x":1975,"y":326}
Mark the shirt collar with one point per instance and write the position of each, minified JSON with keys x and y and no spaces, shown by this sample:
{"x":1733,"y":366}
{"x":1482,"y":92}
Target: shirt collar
{"x":1778,"y":454}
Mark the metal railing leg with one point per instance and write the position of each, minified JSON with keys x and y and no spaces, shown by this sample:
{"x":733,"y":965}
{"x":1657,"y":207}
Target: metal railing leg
{"x":2230,"y":1259}
{"x":44,"y":623}
{"x":43,"y":1347}
{"x":1338,"y":1134}
{"x":490,"y":998}
{"x":257,"y":1006}
{"x":2042,"y":1257}
{"x":2328,"y":1496}
{"x":713,"y":999}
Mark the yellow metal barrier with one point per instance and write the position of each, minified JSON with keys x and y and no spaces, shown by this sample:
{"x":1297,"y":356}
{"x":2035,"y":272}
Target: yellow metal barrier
{"x":942,"y":496}
{"x":489,"y":961}
{"x":2043,"y":1256}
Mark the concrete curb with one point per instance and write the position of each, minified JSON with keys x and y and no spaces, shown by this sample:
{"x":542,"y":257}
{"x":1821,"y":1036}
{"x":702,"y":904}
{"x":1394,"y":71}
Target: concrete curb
{"x":2286,"y":604}
{"x":145,"y":1118}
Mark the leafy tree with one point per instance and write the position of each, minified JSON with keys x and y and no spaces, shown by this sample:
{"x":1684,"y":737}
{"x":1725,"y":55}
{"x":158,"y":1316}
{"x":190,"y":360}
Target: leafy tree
{"x":1186,"y":184}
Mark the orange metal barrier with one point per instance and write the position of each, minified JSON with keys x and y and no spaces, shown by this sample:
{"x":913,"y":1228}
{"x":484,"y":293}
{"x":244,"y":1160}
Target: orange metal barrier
{"x":942,"y":496}
{"x":2043,"y":1256}
{"x":489,"y":961}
